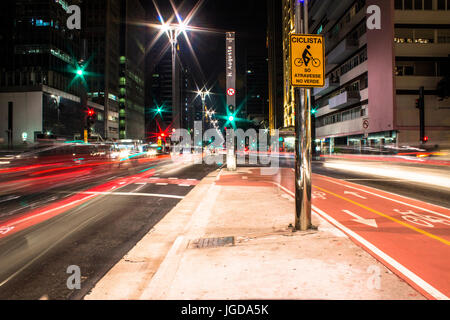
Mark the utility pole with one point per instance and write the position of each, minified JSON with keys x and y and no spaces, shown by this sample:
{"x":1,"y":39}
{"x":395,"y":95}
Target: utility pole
{"x":421,"y":106}
{"x":302,"y":137}
{"x":176,"y":112}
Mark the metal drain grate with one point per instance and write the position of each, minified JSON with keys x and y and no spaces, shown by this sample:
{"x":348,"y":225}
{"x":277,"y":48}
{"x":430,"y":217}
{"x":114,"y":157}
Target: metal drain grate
{"x":213,"y":242}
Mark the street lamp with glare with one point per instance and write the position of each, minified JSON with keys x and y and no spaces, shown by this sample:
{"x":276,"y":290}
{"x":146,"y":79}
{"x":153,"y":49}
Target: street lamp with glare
{"x":173,"y":31}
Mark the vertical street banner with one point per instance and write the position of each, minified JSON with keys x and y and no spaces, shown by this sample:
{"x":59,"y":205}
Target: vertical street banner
{"x":307,"y":60}
{"x":231,"y":68}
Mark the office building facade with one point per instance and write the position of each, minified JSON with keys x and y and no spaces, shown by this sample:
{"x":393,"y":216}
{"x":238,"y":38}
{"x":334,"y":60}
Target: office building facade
{"x":274,"y":45}
{"x":373,"y":76}
{"x":131,"y":65}
{"x":39,"y":88}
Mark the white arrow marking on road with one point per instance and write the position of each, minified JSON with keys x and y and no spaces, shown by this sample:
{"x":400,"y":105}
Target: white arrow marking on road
{"x":356,"y":194}
{"x":369,"y":222}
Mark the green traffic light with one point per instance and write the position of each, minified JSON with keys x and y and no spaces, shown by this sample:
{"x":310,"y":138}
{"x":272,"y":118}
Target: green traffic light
{"x":80,"y":72}
{"x":231,"y":118}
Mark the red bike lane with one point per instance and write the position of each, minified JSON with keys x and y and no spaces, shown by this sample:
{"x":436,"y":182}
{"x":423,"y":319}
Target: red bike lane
{"x":410,"y":237}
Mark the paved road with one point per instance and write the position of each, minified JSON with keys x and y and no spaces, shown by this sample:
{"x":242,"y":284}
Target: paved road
{"x":403,"y":222}
{"x":53,"y":218}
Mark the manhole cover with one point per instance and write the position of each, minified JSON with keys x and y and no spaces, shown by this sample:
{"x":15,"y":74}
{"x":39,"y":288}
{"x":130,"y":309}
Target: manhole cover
{"x":213,"y":242}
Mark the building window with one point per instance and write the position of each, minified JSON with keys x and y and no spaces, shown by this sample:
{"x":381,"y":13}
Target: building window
{"x":399,"y":4}
{"x":408,"y":4}
{"x":418,"y":4}
{"x":444,"y":35}
{"x":404,"y":70}
{"x":441,"y":5}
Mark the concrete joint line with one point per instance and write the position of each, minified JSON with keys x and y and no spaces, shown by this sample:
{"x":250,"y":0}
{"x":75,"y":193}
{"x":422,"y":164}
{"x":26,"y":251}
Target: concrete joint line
{"x":161,"y":282}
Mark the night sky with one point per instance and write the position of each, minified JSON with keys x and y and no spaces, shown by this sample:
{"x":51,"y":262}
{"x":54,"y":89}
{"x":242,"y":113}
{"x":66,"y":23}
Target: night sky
{"x":248,"y":18}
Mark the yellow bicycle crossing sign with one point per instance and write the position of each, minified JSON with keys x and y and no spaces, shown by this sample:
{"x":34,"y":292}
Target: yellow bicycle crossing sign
{"x":307,"y":60}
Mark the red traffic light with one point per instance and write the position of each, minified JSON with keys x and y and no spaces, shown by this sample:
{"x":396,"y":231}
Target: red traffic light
{"x":90,"y":112}
{"x":425,"y":139}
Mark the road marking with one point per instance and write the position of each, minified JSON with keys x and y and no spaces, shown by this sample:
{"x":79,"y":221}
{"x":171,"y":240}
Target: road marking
{"x":173,"y":178}
{"x":430,"y":235}
{"x":319,"y":194}
{"x":15,"y":223}
{"x":184,"y":185}
{"x":157,"y":195}
{"x":356,"y":194}
{"x":369,"y":222}
{"x":161,"y":184}
{"x":141,"y":186}
{"x":218,"y":176}
{"x":9,"y":198}
{"x":383,"y":197}
{"x":383,"y":180}
{"x":399,"y":267}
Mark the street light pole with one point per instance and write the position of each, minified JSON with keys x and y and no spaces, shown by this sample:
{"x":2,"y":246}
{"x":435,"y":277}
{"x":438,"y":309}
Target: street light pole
{"x":175,"y":107}
{"x":203,"y":95}
{"x":302,"y":137}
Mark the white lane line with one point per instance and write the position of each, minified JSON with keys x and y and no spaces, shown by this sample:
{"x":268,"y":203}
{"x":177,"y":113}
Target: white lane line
{"x":399,"y":267}
{"x":48,"y":211}
{"x":161,"y":184}
{"x":141,"y":186}
{"x":218,"y":176}
{"x":9,"y":198}
{"x":184,"y":185}
{"x":382,"y":180}
{"x":394,"y":200}
{"x":157,"y":195}
{"x":285,"y":190}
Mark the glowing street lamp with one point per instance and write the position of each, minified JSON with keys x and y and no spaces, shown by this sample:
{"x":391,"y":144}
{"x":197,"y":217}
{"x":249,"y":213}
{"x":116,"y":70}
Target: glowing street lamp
{"x":173,"y":31}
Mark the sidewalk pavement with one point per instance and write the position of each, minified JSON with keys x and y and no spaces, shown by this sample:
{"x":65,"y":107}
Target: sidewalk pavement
{"x":265,"y":259}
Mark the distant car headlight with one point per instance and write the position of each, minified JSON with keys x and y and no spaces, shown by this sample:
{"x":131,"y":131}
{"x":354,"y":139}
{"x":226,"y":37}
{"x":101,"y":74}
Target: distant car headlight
{"x":124,"y":154}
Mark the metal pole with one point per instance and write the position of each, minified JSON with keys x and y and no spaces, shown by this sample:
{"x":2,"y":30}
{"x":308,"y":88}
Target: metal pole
{"x":174,"y":78}
{"x":422,"y":114}
{"x":203,"y":119}
{"x":302,"y":138}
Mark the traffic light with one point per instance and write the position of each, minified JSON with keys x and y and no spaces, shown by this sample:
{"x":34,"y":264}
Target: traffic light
{"x":420,"y":104}
{"x":90,"y":120}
